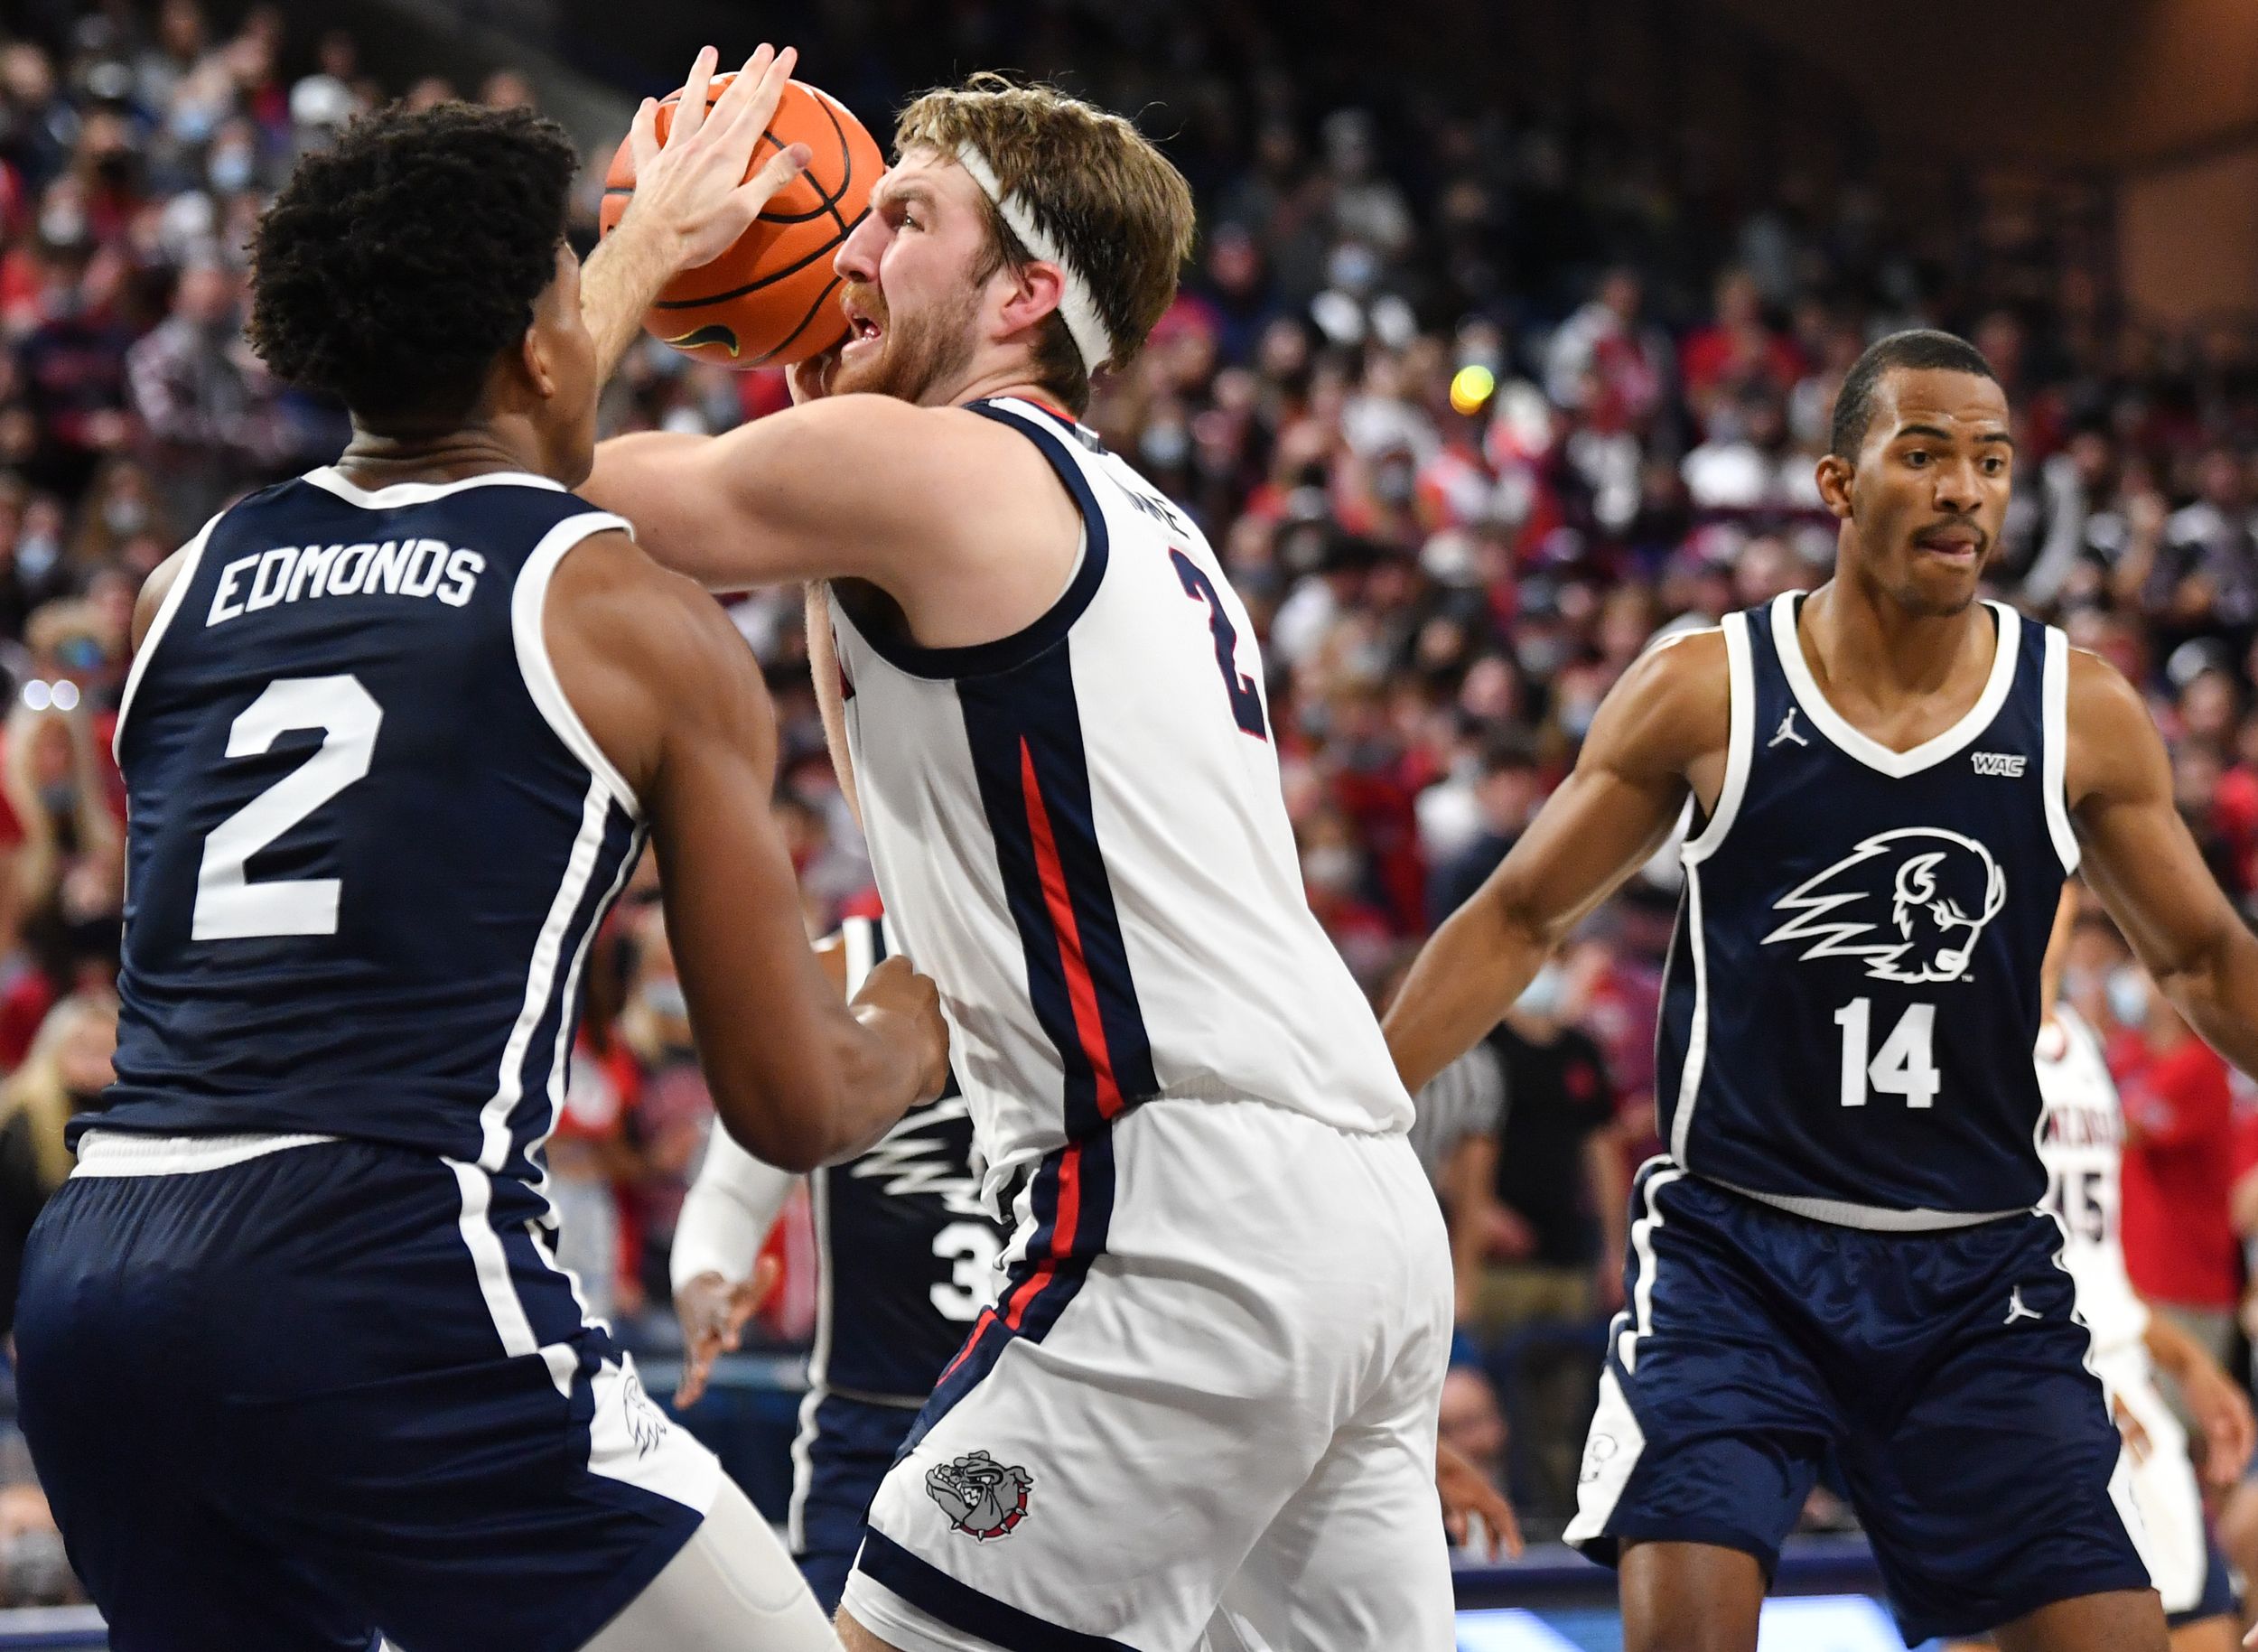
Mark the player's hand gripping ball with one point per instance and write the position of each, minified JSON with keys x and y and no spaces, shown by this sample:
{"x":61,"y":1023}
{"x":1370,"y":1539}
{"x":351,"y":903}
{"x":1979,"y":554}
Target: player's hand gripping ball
{"x":771,"y":299}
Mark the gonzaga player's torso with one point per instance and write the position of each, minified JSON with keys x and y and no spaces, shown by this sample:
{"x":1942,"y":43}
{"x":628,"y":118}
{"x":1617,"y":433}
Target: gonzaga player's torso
{"x":1078,"y":833}
{"x":904,"y":1227}
{"x":369,"y":840}
{"x":2081,"y":1141}
{"x":1853,"y":992}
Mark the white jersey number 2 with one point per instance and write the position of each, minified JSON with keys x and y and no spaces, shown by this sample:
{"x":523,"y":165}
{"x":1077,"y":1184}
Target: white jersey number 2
{"x":228,"y":905}
{"x":1904,"y":1065}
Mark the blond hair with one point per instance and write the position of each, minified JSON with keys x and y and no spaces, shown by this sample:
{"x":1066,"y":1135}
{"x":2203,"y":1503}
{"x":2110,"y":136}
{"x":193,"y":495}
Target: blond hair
{"x":36,"y":1089}
{"x":1093,"y":183}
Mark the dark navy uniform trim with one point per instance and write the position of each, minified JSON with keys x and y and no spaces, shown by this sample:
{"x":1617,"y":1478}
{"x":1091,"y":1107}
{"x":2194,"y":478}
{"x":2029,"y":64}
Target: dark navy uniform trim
{"x":965,"y":1607}
{"x":1007,"y":653}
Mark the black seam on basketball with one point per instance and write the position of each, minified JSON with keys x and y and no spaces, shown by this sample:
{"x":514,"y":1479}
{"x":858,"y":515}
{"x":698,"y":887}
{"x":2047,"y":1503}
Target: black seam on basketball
{"x":768,"y":280}
{"x":847,"y":160}
{"x":821,"y":299}
{"x":827,"y":202}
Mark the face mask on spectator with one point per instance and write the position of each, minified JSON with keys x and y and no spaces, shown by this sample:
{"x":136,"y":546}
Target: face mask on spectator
{"x":1164,"y":446}
{"x":125,"y":516}
{"x":1576,"y":716}
{"x":36,"y":1570}
{"x":1540,"y":656}
{"x":36,"y":554}
{"x":231,"y":170}
{"x":1542,"y":996}
{"x":662,"y":996}
{"x":1329,"y":866}
{"x":2128,"y":995}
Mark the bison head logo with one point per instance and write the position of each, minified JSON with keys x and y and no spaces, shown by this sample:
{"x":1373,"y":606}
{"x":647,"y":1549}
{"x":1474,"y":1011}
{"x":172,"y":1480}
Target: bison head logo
{"x":982,"y":1498}
{"x":1911,"y":903}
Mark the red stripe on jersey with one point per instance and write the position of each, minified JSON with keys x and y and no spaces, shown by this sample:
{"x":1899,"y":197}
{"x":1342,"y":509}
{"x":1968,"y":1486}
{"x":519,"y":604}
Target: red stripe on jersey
{"x":1062,"y":1231}
{"x":1089,"y":1025}
{"x":980,"y":1330}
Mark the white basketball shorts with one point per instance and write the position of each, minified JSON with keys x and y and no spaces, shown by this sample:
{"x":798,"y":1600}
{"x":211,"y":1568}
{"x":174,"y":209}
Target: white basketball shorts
{"x":1201,"y":1413}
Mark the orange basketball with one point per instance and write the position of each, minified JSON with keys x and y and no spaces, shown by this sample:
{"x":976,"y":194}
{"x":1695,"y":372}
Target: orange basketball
{"x":771,"y":299}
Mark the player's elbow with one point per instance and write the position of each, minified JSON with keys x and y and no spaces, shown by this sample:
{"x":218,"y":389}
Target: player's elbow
{"x":776,"y":1128}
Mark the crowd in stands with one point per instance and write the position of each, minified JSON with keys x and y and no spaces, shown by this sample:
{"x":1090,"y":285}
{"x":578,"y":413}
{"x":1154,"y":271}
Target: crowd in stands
{"x":1469,"y":426}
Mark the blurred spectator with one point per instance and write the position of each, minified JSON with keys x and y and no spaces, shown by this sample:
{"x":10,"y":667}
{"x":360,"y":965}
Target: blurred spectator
{"x":64,"y":1074}
{"x":2179,"y":1244}
{"x":207,"y":409}
{"x":1473,"y":1425}
{"x":1506,"y":793}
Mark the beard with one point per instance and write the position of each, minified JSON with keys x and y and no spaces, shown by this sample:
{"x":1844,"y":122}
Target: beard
{"x":916,"y":354}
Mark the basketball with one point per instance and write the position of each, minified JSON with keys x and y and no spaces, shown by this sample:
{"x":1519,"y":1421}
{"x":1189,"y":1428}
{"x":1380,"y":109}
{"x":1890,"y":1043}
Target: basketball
{"x":771,"y":299}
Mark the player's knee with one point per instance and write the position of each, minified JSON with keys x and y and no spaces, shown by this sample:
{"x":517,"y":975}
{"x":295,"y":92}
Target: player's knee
{"x":1693,"y":1632}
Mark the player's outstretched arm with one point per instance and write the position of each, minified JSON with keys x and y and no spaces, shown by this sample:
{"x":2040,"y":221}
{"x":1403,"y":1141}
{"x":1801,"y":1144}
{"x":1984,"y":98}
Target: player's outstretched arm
{"x":1669,"y":712}
{"x":670,"y":692}
{"x":943,"y":509}
{"x":2139,"y":856}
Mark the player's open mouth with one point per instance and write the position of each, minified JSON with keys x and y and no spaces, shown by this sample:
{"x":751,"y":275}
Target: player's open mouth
{"x":1960,"y":544}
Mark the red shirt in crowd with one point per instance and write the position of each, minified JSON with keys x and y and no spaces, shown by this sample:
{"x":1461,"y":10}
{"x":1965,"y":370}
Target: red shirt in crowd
{"x":2178,"y":1168}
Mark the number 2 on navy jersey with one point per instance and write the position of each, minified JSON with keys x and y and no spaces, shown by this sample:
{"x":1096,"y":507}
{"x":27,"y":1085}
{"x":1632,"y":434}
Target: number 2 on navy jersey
{"x":228,"y":905}
{"x":1247,"y":700}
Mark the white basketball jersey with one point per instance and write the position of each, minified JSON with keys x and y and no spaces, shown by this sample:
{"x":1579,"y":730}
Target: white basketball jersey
{"x":2081,"y":1141}
{"x":1080,"y":834}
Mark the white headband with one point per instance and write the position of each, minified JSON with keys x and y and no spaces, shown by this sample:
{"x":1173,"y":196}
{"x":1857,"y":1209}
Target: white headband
{"x":1076,"y":307}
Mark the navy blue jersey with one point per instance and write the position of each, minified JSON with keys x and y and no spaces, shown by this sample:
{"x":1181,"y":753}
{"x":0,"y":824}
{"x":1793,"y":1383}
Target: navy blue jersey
{"x":1853,"y":992}
{"x":369,"y":840}
{"x":909,"y":1250}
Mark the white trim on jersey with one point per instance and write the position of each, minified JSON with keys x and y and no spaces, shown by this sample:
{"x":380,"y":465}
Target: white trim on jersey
{"x":1740,"y":743}
{"x":803,"y":1469}
{"x":1872,"y":1218}
{"x":175,"y":595}
{"x":1642,"y":1304}
{"x":492,"y":1264}
{"x":528,"y":602}
{"x":2054,"y":701}
{"x":1865,"y":748}
{"x":327,"y":479}
{"x":548,"y":947}
{"x":558,"y":1064}
{"x":126,"y":1152}
{"x":1739,"y":754}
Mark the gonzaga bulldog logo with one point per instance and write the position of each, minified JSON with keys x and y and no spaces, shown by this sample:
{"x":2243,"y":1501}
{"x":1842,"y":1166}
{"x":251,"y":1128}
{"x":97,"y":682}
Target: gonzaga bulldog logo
{"x":1912,"y":903}
{"x":982,"y":1498}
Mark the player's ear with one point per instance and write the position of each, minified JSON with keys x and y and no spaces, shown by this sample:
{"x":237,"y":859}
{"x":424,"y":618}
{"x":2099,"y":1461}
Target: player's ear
{"x":1036,"y":291}
{"x":535,"y":363}
{"x":1835,"y":475}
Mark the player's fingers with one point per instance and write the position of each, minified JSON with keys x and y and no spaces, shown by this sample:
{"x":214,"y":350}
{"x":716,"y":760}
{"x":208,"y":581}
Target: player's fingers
{"x":1507,"y":1527}
{"x":782,"y":167}
{"x":690,"y":113}
{"x":743,"y":88}
{"x":1455,"y":1524}
{"x":643,"y":136}
{"x":693,"y":1383}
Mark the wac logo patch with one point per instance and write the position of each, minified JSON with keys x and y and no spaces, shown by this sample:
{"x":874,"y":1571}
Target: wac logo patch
{"x":982,"y":1498}
{"x":1911,"y":903}
{"x":2009,"y":763}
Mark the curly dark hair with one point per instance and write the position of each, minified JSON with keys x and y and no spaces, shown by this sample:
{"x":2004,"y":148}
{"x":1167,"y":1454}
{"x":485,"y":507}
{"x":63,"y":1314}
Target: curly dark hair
{"x":394,"y":268}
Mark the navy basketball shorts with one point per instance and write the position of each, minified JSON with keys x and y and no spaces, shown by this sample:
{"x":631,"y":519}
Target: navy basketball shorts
{"x":846,"y":1446}
{"x":328,"y":1392}
{"x":1944,"y":1372}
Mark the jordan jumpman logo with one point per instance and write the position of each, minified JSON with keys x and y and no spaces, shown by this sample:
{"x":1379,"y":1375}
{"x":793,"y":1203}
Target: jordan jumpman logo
{"x":1788,"y":731}
{"x":2015,"y":1309}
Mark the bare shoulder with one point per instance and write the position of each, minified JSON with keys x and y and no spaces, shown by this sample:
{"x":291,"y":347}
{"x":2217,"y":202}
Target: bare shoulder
{"x":1672,"y":707}
{"x":2111,"y":742}
{"x":641,"y":652}
{"x":155,"y":589}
